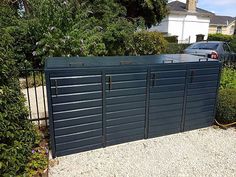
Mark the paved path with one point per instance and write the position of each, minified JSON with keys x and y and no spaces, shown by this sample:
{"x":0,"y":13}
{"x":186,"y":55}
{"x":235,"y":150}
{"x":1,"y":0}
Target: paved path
{"x":203,"y":152}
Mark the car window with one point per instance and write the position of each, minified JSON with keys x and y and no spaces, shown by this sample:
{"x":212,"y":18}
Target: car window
{"x":205,"y":46}
{"x":226,"y":47}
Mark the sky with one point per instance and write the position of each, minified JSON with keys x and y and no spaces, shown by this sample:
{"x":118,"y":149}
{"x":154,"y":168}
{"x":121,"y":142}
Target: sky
{"x":219,"y":7}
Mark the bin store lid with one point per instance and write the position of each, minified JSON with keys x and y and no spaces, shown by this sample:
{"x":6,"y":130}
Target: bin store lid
{"x":104,"y":61}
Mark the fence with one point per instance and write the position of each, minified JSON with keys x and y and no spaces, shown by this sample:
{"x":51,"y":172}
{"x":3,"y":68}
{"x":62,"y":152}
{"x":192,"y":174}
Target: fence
{"x":228,"y":60}
{"x":32,"y":83}
{"x":34,"y":89}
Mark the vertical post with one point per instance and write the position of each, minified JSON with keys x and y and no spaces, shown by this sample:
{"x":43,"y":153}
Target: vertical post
{"x":103,"y":81}
{"x":185,"y":99}
{"x":27,"y":89}
{"x":36,"y":98}
{"x":44,"y":102}
{"x":148,"y":80}
{"x":50,"y":111}
{"x":217,"y":90}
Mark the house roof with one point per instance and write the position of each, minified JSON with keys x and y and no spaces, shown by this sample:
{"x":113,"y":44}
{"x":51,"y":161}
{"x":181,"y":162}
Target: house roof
{"x":221,"y":20}
{"x":178,"y":6}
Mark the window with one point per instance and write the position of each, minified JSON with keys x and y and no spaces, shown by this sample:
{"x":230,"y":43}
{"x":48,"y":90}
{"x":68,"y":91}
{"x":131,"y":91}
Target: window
{"x":205,"y":46}
{"x":226,"y":48}
{"x":219,"y":29}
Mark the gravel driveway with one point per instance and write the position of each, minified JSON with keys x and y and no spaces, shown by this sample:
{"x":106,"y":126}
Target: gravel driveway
{"x":204,"y":152}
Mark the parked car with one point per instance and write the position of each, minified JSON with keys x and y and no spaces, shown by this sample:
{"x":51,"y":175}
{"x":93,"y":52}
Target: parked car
{"x":210,"y":49}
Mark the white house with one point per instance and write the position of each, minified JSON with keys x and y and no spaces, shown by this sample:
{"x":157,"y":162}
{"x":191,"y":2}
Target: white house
{"x":185,"y":20}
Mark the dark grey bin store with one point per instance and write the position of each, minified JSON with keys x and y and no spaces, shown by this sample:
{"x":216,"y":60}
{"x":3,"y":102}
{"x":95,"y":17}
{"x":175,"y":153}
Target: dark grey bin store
{"x":100,"y":101}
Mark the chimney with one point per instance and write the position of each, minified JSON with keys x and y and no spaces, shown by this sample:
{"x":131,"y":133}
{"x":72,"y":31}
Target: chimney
{"x":191,"y":5}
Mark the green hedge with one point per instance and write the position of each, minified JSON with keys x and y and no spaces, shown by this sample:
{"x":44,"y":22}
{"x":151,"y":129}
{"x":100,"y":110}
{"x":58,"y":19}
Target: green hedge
{"x":228,"y":78}
{"x":148,"y":43}
{"x":219,"y":37}
{"x":222,"y":37}
{"x":226,"y":108}
{"x":233,"y":44}
{"x":17,"y":134}
{"x":171,"y":39}
{"x":173,"y":48}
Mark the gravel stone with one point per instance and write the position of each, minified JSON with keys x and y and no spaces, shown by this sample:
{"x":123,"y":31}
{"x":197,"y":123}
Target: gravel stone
{"x":203,"y":152}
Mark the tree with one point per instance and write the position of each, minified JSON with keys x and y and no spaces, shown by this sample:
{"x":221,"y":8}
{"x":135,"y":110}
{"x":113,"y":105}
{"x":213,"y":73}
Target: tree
{"x":153,"y":11}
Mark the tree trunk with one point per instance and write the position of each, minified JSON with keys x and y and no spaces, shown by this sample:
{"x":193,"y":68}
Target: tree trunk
{"x":26,"y":6}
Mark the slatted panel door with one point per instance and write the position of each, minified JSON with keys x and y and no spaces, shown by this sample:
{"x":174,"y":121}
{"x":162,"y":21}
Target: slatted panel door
{"x":203,"y":80}
{"x":76,"y":98}
{"x":167,"y":88}
{"x":125,"y":104}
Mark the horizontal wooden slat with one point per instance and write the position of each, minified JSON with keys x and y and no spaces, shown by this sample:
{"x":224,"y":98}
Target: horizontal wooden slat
{"x":76,"y":105}
{"x":167,"y":88}
{"x":125,"y":133}
{"x":170,"y":74}
{"x":79,"y":143}
{"x":168,"y":67}
{"x":75,"y":80}
{"x":124,"y":120}
{"x":79,"y":149}
{"x":168,"y":120}
{"x":201,"y":97}
{"x":164,"y":129}
{"x":76,"y":97}
{"x":125,"y":99}
{"x":127,"y":77}
{"x":200,"y":103}
{"x":204,"y":71}
{"x":162,"y":132}
{"x":77,"y":121}
{"x":78,"y":136}
{"x":167,"y":101}
{"x":122,"y":127}
{"x":130,"y":112}
{"x":125,"y":92}
{"x":201,"y":91}
{"x":125,"y":106}
{"x":201,"y":115}
{"x":163,"y":108}
{"x":199,"y":109}
{"x":125,"y":139}
{"x":203,"y":78}
{"x":75,"y":89}
{"x":203,"y":84}
{"x":172,"y":94}
{"x":78,"y":128}
{"x":125,"y":84}
{"x":63,"y":115}
{"x":169,"y":81}
{"x":165,"y":114}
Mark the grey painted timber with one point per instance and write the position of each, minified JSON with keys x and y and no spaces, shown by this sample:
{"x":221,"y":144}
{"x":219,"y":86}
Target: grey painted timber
{"x":96,"y":102}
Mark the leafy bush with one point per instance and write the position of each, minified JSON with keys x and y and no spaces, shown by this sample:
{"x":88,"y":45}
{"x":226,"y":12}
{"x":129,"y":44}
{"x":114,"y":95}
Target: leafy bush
{"x":226,"y":108}
{"x":173,"y":48}
{"x":17,"y":134}
{"x":171,"y":39}
{"x":233,"y":44}
{"x":228,"y":78}
{"x":219,"y":37}
{"x":148,"y":43}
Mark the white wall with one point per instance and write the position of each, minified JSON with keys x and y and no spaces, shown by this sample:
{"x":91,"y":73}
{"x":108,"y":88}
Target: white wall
{"x":186,"y":27}
{"x":161,"y":27}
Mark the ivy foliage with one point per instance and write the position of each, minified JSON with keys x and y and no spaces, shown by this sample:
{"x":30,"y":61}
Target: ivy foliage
{"x":17,"y":134}
{"x":76,"y":28}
